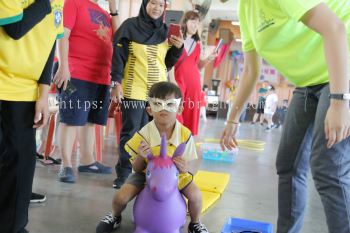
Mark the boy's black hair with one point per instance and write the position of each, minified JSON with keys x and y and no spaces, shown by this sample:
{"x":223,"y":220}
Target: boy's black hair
{"x":272,"y":88}
{"x":205,"y":86}
{"x":162,"y":89}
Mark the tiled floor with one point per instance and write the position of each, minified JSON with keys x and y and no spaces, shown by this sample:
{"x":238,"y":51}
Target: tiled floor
{"x":251,"y":193}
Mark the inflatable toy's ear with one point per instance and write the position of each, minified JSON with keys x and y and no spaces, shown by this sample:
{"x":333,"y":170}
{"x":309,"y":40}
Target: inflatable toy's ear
{"x":163,"y":147}
{"x":179,"y":150}
{"x":150,"y":156}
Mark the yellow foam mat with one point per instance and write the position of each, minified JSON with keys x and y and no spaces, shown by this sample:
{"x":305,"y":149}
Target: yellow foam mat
{"x":243,"y":144}
{"x":211,"y":181}
{"x":208,"y":199}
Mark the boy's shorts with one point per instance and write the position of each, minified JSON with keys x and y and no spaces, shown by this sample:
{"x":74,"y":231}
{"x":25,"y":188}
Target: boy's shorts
{"x":139,"y":180}
{"x":88,"y":103}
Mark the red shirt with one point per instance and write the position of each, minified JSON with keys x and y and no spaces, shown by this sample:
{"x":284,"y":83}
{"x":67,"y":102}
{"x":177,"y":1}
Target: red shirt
{"x":90,"y":41}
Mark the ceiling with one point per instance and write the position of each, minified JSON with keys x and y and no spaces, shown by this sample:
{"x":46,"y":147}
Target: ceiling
{"x":225,"y":11}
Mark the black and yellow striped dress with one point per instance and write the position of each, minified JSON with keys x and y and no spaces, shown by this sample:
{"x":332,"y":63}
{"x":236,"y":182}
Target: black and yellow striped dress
{"x":144,"y":67}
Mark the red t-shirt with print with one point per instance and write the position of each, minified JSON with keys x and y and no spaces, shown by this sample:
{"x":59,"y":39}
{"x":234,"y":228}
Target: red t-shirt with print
{"x":90,"y":41}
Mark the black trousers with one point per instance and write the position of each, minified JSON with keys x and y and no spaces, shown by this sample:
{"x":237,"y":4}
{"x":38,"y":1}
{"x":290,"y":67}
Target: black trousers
{"x":134,"y":117}
{"x":17,"y":163}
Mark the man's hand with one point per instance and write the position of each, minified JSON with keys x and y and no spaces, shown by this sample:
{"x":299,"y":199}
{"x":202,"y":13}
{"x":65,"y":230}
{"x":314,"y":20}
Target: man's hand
{"x":41,"y":112}
{"x":181,"y":164}
{"x":228,"y":137}
{"x":117,"y":94}
{"x":337,"y":123}
{"x":62,"y":77}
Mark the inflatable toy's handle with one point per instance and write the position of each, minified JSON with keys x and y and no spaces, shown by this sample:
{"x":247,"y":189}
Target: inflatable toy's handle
{"x":179,"y":150}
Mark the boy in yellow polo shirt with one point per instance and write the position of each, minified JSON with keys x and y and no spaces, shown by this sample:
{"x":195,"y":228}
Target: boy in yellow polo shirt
{"x":28,"y":31}
{"x":164,"y":100}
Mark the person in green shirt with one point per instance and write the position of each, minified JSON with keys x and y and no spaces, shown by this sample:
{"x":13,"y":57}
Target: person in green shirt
{"x":307,"y":42}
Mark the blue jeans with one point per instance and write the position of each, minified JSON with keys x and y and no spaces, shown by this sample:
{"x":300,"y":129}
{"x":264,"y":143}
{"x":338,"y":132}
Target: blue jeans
{"x":303,"y":146}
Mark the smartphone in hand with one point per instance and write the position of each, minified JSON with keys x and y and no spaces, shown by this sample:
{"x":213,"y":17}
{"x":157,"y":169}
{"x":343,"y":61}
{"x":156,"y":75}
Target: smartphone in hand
{"x":174,"y":30}
{"x":70,"y":89}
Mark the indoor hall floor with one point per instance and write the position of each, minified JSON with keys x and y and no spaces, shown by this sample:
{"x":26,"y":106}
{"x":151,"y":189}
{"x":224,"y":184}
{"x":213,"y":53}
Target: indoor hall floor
{"x":251,"y":192}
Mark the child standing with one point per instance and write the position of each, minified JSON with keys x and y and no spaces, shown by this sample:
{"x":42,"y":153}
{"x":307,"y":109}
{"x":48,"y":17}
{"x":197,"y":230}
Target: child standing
{"x":165,"y":100}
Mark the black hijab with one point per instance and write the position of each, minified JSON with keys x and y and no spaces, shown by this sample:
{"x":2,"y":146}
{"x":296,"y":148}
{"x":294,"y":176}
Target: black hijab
{"x":143,"y":29}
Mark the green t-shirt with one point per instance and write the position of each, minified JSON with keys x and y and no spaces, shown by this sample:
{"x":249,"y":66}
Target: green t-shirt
{"x":274,"y":30}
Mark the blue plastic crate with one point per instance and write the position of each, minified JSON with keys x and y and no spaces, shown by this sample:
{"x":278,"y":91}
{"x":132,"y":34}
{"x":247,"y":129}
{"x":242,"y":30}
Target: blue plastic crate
{"x":237,"y":225}
{"x":212,"y":151}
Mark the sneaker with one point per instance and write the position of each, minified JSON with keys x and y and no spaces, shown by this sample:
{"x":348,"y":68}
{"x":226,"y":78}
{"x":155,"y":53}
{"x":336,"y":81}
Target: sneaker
{"x":268,"y":129}
{"x":108,"y":224}
{"x":197,"y":228}
{"x":117,"y":183}
{"x":96,"y":167}
{"x":37,"y":198}
{"x":67,"y":175}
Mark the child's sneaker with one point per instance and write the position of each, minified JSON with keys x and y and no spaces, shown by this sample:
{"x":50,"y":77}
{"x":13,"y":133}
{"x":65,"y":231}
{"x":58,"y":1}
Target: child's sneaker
{"x":108,"y":224}
{"x":197,"y":228}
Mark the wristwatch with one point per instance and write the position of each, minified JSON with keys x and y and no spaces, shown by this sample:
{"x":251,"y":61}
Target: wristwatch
{"x":114,"y":84}
{"x":114,"y":13}
{"x":340,"y":96}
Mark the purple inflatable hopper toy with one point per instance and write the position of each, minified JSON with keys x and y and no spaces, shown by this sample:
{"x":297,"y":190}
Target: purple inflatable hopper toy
{"x":160,"y":207}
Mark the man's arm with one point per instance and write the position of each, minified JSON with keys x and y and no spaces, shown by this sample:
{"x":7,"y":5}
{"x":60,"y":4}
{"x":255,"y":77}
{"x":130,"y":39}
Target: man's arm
{"x":41,"y":106}
{"x":245,"y":88}
{"x":322,"y":20}
{"x":32,"y":15}
{"x":63,"y":73}
{"x":115,"y":18}
{"x":46,"y":75}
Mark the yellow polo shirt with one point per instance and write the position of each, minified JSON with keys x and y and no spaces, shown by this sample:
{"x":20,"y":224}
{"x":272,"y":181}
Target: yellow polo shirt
{"x":22,"y":61}
{"x":150,"y":134}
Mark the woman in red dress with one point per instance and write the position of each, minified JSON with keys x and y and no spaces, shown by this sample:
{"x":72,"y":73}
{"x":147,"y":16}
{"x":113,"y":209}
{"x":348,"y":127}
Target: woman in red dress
{"x":187,"y":71}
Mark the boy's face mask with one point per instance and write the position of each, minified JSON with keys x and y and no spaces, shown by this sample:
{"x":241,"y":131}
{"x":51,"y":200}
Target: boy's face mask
{"x":170,"y":105}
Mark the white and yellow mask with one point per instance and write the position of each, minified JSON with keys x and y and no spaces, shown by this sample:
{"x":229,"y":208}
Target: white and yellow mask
{"x":170,"y":105}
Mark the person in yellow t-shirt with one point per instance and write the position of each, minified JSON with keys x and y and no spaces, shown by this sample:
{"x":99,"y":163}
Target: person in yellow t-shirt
{"x":308,"y":42}
{"x":165,"y":101}
{"x":28,"y":31}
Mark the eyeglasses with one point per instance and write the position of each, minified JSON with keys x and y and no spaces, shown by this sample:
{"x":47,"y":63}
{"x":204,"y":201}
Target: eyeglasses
{"x":170,"y":105}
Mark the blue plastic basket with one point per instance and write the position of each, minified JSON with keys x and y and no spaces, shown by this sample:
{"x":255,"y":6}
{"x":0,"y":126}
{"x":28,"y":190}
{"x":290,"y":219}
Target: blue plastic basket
{"x":237,"y":225}
{"x":212,"y":151}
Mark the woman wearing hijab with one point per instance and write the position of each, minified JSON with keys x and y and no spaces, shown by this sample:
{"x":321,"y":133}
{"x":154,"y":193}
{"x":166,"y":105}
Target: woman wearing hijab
{"x":307,"y":41}
{"x":142,"y":56}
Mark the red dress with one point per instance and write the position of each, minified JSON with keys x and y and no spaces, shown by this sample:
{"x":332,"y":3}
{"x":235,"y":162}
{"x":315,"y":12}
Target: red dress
{"x":188,"y":79}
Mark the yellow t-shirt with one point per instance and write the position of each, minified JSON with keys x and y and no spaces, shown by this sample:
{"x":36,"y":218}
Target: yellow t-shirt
{"x":22,"y":61}
{"x":274,"y":30}
{"x":145,"y":66}
{"x":10,"y":11}
{"x":150,"y":134}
